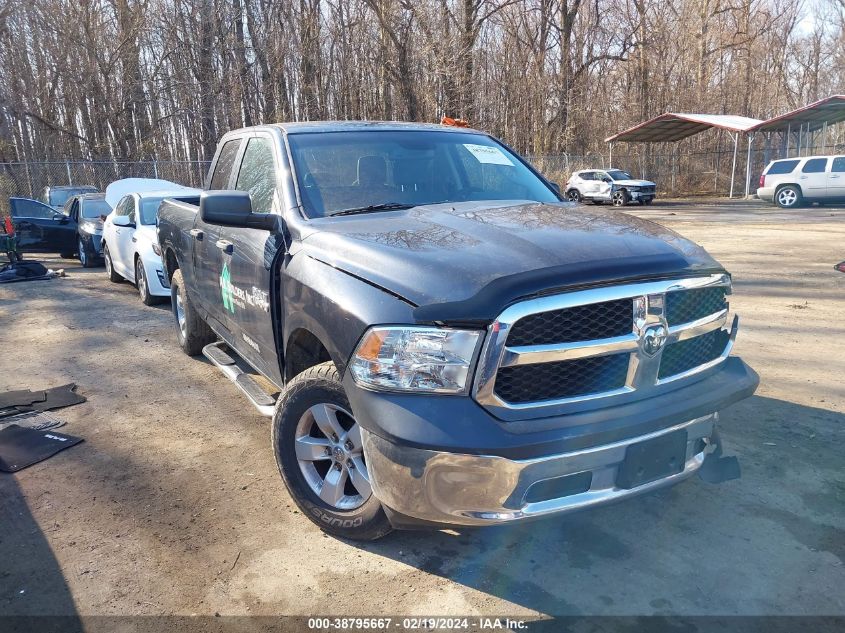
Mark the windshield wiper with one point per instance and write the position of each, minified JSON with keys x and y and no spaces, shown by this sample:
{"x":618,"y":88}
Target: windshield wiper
{"x":387,"y":206}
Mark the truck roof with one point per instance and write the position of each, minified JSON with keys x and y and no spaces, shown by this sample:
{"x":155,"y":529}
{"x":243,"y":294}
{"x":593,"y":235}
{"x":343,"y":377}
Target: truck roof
{"x":305,"y":127}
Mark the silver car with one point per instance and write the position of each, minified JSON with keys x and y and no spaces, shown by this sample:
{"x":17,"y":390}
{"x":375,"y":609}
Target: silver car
{"x":609,"y":185}
{"x":791,"y":182}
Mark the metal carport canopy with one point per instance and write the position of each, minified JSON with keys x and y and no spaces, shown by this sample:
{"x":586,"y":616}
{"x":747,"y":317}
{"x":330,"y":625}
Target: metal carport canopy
{"x":674,"y":126}
{"x":816,"y":115}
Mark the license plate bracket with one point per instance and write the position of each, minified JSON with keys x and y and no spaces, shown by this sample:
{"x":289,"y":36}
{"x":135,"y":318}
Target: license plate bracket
{"x":653,"y":459}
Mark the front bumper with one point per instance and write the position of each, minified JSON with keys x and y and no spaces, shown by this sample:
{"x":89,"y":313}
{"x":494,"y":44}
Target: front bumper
{"x":641,"y":195}
{"x":436,"y":487}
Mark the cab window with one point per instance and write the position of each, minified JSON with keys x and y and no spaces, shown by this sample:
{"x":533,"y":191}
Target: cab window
{"x":223,"y":168}
{"x":257,"y":174}
{"x":838,"y":164}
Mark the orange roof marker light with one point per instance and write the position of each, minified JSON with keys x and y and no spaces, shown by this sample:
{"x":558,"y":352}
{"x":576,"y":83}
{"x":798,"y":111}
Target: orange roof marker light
{"x":446,"y":120}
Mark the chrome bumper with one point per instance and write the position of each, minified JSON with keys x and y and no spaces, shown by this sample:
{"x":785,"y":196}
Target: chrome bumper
{"x":460,"y":489}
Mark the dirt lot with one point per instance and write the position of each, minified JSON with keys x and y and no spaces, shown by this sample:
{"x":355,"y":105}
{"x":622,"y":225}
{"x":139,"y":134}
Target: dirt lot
{"x":173,"y":504}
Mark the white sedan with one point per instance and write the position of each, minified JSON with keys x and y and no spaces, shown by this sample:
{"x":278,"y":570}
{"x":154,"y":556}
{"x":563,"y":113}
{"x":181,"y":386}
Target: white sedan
{"x":130,"y":244}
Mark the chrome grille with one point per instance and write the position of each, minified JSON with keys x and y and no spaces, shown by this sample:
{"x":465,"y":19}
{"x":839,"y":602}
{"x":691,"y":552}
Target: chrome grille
{"x":550,"y":353}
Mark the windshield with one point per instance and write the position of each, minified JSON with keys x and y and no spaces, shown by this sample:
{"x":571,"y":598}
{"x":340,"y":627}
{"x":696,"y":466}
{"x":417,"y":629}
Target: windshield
{"x":93,"y":209}
{"x":617,"y":174}
{"x":58,"y":197}
{"x":343,"y":171}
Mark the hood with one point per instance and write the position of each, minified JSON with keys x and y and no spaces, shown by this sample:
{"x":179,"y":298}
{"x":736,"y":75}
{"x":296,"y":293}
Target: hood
{"x":634,"y":183}
{"x":443,"y":256}
{"x":119,"y":188}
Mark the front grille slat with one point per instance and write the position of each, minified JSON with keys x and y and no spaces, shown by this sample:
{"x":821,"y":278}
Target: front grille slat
{"x":684,"y":355}
{"x":579,"y":323}
{"x":684,"y":306}
{"x":562,"y":379}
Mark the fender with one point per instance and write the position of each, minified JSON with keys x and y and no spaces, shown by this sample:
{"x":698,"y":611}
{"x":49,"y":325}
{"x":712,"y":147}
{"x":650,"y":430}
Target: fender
{"x":334,"y":306}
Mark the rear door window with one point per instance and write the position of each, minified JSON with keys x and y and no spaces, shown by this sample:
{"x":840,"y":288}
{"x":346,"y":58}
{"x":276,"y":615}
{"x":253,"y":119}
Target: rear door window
{"x":838,"y":164}
{"x":814,"y":166}
{"x":223,"y":168}
{"x":782,"y":167}
{"x":257,"y":174}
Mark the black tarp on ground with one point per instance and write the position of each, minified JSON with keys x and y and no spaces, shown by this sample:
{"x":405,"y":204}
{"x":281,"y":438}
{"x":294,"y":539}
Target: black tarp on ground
{"x":24,"y":271}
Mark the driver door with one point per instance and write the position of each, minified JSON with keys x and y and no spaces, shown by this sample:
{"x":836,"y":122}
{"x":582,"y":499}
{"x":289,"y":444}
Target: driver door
{"x":604,"y":185}
{"x":40,"y":227}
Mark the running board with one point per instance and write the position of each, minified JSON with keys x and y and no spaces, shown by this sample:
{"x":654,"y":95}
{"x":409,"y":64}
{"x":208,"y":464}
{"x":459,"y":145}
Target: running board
{"x":260,"y":399}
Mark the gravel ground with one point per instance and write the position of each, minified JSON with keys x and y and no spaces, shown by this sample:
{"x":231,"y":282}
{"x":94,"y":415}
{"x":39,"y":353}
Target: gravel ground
{"x":173,"y":504}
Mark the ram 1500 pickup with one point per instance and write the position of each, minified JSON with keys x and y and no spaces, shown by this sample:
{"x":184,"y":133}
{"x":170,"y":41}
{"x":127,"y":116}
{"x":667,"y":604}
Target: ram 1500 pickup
{"x":448,"y":341}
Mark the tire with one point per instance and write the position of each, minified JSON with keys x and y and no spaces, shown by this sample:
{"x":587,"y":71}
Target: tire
{"x":648,"y":201}
{"x":573,"y":195}
{"x":142,"y":285}
{"x":192,"y":331}
{"x":348,"y":509}
{"x":66,"y":254}
{"x":620,"y":198}
{"x":113,"y":276}
{"x":85,"y":258}
{"x":789,"y":197}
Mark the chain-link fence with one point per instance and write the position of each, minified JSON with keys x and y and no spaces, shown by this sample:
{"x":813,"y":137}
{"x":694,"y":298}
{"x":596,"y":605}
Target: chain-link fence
{"x":676,"y":173}
{"x":28,"y":179}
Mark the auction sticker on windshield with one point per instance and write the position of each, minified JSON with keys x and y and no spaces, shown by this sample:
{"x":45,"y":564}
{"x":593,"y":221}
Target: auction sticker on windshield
{"x":488,"y":154}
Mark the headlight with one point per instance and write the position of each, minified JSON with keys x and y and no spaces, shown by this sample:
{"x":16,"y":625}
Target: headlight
{"x":156,"y":249}
{"x":90,"y":227}
{"x":419,"y":359}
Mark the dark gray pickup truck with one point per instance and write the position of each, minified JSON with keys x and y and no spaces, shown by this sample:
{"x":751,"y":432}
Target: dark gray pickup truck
{"x":449,"y":342}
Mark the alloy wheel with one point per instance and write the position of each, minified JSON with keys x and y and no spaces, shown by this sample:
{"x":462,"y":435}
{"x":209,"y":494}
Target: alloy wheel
{"x":83,"y":257}
{"x":331,"y":458}
{"x":140,"y":280}
{"x":787,"y":197}
{"x":180,"y":316}
{"x":574,"y":196}
{"x":619,"y":199}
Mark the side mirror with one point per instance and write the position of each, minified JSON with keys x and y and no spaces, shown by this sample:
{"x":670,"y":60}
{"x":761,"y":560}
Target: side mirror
{"x":61,"y":218}
{"x":606,"y":179}
{"x":233,"y":208}
{"x":122,"y":220}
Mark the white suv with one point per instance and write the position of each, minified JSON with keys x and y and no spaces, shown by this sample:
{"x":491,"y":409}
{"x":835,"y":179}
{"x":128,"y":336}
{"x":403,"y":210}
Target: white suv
{"x":609,"y":185}
{"x":790,"y":182}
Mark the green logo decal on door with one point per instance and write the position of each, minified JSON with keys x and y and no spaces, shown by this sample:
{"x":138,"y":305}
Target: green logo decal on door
{"x":226,"y":289}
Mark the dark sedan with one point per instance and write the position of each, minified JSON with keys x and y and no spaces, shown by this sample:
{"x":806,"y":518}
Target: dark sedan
{"x":88,"y":211}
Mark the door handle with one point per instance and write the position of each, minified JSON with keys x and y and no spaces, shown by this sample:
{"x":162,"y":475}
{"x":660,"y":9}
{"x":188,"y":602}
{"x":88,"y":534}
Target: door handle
{"x":835,"y":176}
{"x":197,"y":234}
{"x":134,"y":239}
{"x":803,"y":177}
{"x":226,"y":246}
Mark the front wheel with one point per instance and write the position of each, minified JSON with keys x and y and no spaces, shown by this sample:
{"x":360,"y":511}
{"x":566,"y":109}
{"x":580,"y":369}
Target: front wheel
{"x":317,"y":443}
{"x":113,"y":276}
{"x":142,"y":284}
{"x":620,"y":198}
{"x":788,"y":197}
{"x":191,"y":331}
{"x":85,"y":258}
